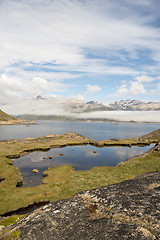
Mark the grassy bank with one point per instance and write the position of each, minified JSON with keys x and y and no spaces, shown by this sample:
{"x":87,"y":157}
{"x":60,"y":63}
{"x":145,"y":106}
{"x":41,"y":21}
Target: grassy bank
{"x":63,"y":182}
{"x":6,"y":119}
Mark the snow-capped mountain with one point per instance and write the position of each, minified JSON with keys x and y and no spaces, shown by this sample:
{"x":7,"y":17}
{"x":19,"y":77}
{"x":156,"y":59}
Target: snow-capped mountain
{"x":135,"y":105}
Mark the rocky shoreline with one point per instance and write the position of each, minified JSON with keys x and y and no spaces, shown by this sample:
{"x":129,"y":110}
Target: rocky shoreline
{"x":16,"y":122}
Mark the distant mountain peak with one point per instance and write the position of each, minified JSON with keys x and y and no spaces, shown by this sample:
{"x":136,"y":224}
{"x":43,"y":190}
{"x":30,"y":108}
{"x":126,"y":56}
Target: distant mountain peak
{"x":39,"y":97}
{"x":135,"y":105}
{"x":91,"y":102}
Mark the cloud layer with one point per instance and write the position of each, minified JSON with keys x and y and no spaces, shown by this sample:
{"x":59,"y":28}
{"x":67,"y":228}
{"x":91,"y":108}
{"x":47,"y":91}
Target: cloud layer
{"x":70,"y":47}
{"x":138,"y":116}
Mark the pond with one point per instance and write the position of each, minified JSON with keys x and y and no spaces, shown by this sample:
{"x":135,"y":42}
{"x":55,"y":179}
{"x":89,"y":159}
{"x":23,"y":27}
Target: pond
{"x":82,"y":157}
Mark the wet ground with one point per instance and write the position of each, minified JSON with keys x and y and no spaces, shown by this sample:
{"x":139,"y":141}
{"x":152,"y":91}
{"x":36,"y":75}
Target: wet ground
{"x":82,"y":157}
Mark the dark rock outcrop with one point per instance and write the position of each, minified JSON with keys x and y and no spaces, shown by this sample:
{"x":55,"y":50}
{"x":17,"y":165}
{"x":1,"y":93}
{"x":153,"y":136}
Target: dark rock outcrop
{"x":126,"y":210}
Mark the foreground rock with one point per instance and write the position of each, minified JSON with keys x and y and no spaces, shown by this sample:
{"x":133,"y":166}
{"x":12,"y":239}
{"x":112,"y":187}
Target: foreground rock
{"x":35,"y":170}
{"x":126,"y":210}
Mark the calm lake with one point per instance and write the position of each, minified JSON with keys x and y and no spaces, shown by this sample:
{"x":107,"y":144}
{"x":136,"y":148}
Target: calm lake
{"x":94,"y":130}
{"x":81,"y":157}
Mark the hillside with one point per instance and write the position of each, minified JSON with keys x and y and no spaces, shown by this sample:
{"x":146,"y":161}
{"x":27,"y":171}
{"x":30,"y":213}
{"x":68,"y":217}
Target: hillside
{"x":5,"y":117}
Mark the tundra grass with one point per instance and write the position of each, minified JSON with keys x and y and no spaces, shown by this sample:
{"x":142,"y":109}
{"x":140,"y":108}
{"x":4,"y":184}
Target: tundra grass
{"x":11,"y":220}
{"x":62,"y":181}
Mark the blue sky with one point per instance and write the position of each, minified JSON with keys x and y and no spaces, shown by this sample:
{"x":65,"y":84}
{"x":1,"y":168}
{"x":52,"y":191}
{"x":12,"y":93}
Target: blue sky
{"x":98,"y":50}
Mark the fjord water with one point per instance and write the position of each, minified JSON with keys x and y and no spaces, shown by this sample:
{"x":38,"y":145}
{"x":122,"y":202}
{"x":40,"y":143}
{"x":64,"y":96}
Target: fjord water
{"x":94,"y":130}
{"x":82,"y":157}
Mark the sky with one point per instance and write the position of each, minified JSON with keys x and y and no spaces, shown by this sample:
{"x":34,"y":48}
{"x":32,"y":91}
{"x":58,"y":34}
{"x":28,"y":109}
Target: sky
{"x":97,"y":50}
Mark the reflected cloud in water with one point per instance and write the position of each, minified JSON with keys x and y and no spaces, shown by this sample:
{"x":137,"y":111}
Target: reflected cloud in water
{"x":80,"y":157}
{"x":126,"y":153}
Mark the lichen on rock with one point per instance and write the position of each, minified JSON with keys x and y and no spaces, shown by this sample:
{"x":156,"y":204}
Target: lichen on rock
{"x":126,"y":210}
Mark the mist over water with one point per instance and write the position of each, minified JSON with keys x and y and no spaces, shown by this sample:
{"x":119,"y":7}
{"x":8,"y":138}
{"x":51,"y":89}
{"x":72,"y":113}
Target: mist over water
{"x":74,"y":109}
{"x":137,"y":116}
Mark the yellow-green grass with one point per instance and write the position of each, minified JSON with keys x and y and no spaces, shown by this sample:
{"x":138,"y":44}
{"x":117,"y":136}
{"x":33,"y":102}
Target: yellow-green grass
{"x":11,"y":220}
{"x":5,"y":117}
{"x":10,"y":235}
{"x":62,"y":182}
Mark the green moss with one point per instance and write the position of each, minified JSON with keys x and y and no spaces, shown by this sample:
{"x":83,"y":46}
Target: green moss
{"x":12,"y":235}
{"x":61,"y":137}
{"x":62,"y":181}
{"x":11,"y":220}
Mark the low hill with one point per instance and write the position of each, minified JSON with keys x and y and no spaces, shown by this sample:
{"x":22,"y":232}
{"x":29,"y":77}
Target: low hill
{"x":5,"y":117}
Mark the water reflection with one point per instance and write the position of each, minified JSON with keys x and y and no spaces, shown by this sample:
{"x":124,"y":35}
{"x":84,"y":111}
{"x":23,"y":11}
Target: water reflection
{"x":126,"y":153}
{"x":81,"y":157}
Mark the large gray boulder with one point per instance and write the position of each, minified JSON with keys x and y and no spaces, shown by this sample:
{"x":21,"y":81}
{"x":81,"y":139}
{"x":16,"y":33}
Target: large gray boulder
{"x":126,"y":210}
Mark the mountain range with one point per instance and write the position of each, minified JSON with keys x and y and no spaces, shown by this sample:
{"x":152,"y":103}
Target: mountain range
{"x":135,"y":105}
{"x":125,"y":105}
{"x":72,"y":109}
{"x":78,"y":106}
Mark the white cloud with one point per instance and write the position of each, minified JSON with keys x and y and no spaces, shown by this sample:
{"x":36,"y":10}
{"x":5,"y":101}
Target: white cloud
{"x":123,"y":89}
{"x":140,"y":2}
{"x":40,"y":83}
{"x":144,"y":78}
{"x":130,"y":89}
{"x":54,"y":105}
{"x":44,"y":43}
{"x":93,"y":88}
{"x":137,"y":88}
{"x":12,"y":87}
{"x":33,"y":31}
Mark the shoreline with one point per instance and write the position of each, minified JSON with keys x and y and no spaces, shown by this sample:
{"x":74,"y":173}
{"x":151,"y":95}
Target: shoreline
{"x":114,"y":121}
{"x":18,"y":122}
{"x":34,"y":122}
